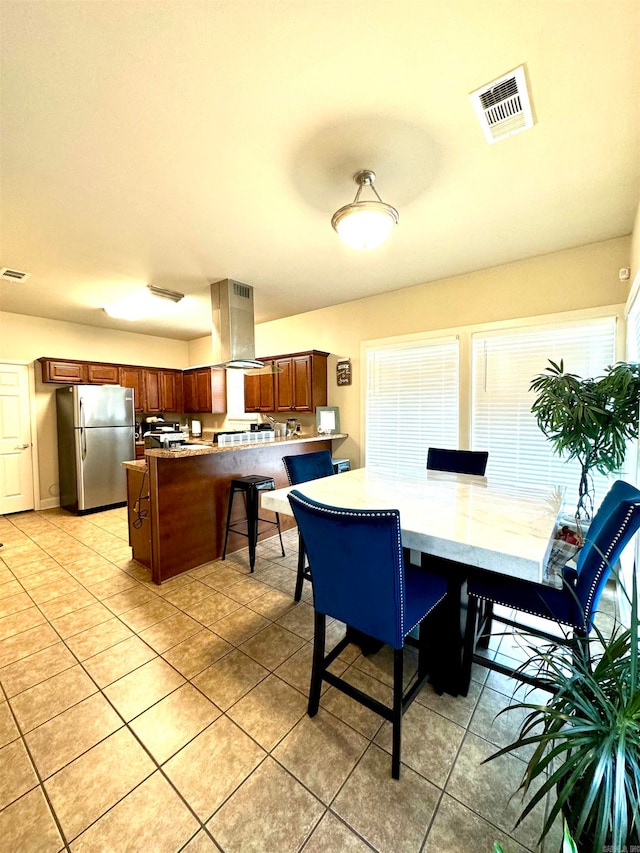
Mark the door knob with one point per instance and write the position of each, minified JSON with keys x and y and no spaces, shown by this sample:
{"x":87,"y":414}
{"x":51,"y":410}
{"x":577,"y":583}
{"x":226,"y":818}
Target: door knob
{"x":21,"y":447}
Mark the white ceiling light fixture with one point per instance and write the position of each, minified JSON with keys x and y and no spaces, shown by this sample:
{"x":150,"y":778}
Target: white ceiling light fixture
{"x":143,"y":304}
{"x":365,"y":224}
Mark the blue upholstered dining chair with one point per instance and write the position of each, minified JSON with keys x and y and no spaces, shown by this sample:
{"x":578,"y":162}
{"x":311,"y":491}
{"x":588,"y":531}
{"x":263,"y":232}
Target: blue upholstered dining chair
{"x":457,"y":461}
{"x":462,"y":462}
{"x":360,"y":577}
{"x":301,"y":469}
{"x":574,"y":605}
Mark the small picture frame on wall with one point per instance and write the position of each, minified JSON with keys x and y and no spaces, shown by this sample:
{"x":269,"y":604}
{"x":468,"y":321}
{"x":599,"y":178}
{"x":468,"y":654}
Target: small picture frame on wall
{"x":327,"y":420}
{"x":343,"y":371}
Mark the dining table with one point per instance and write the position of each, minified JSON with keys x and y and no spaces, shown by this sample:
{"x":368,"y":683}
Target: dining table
{"x":452,"y":523}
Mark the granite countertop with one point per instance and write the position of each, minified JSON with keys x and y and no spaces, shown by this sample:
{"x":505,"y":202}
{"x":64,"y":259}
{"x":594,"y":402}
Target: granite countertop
{"x":203,"y":448}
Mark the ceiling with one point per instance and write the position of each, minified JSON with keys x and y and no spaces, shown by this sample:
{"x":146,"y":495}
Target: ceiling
{"x":180,"y":142}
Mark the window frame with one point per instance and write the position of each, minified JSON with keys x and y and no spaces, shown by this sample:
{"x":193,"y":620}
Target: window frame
{"x":464,"y":335}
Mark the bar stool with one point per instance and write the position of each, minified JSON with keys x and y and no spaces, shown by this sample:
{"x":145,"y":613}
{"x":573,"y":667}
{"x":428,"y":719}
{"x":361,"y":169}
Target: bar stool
{"x":250,"y":486}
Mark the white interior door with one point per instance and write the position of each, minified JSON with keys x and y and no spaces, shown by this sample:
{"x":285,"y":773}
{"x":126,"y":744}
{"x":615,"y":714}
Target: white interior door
{"x":16,"y":458}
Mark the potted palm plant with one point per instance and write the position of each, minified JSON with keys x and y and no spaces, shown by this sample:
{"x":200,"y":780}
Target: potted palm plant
{"x":568,"y":844}
{"x":590,"y":420}
{"x":586,"y":740}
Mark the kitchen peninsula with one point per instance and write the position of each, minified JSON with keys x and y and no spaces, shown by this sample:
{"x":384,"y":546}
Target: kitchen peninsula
{"x":177,"y":499}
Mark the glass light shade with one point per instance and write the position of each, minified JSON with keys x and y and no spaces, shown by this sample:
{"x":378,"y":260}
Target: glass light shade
{"x":365,"y":224}
{"x":140,"y":305}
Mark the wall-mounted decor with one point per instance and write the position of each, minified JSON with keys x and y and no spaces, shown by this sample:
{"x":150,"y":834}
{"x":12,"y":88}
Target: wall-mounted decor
{"x":343,"y":371}
{"x":327,"y":419}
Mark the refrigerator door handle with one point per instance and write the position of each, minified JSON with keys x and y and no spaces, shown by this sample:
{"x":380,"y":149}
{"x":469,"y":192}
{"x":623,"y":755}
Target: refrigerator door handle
{"x":83,"y":437}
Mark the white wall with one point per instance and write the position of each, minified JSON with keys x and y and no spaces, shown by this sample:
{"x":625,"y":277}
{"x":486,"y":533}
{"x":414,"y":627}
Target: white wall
{"x":584,"y":277}
{"x":24,"y":339}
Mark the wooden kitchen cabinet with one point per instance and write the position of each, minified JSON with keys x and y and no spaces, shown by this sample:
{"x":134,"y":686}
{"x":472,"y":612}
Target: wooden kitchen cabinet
{"x":162,"y":390}
{"x":171,"y":390}
{"x":155,"y":389}
{"x":78,"y":372}
{"x":103,"y":374}
{"x":133,"y":377}
{"x":205,"y":390}
{"x":259,"y":391}
{"x":65,"y":372}
{"x":152,"y":391}
{"x":301,"y":384}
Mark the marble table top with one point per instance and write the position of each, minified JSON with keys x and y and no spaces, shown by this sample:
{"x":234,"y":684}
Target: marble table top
{"x":469,"y":519}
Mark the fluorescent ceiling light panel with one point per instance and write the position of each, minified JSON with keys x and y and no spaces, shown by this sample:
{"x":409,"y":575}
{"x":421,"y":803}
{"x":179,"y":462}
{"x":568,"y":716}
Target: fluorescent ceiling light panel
{"x":144,"y":305}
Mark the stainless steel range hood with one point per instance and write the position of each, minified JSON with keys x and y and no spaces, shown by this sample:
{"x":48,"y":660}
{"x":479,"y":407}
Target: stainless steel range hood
{"x":233,"y":325}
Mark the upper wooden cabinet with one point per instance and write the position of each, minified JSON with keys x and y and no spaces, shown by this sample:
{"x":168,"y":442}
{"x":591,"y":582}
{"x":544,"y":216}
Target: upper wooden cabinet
{"x":162,"y":390}
{"x":155,"y":389}
{"x":133,"y":377}
{"x":305,"y":385}
{"x":171,"y":394}
{"x":259,"y":392}
{"x":103,"y":374}
{"x":299,"y":385}
{"x":205,"y":390}
{"x":152,"y":391}
{"x":67,"y":372}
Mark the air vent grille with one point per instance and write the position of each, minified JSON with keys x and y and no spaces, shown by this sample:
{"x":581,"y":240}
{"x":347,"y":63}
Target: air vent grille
{"x":499,"y":93}
{"x":503,"y":107}
{"x":13,"y":275}
{"x":242,"y":290}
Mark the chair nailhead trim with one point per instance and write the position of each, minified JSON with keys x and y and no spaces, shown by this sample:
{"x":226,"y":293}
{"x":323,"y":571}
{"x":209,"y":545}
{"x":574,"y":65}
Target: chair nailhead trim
{"x":603,"y":563}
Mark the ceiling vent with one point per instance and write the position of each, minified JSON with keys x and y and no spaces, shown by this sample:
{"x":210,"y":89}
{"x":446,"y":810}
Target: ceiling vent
{"x":503,"y":106}
{"x":13,"y":275}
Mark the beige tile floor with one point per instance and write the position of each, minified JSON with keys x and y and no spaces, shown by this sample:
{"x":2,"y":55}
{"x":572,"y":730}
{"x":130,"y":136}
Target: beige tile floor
{"x":142,"y":718}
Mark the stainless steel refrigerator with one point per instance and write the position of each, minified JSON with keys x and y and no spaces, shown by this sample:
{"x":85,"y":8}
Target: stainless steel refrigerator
{"x":96,"y":433}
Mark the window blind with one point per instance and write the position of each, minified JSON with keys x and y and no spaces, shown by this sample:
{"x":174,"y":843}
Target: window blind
{"x":504,"y":363}
{"x":411,"y":403}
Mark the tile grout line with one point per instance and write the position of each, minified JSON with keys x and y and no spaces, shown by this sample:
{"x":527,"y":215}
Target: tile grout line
{"x":268,"y":753}
{"x":34,"y":766}
{"x":127,"y":725}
